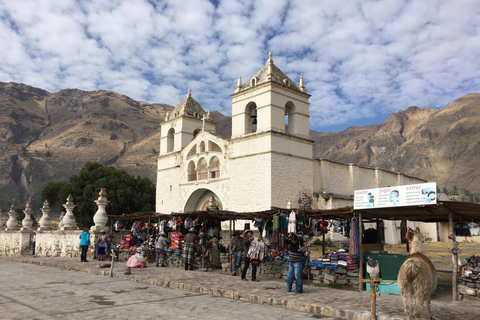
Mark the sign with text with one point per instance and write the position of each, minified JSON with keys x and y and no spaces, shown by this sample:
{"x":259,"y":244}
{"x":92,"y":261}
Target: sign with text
{"x":396,"y":196}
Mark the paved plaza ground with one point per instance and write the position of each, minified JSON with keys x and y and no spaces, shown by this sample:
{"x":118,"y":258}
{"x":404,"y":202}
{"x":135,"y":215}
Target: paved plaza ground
{"x":87,"y":295}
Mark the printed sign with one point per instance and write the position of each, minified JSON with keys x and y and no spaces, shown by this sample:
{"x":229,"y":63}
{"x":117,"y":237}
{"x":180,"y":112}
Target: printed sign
{"x":396,"y":196}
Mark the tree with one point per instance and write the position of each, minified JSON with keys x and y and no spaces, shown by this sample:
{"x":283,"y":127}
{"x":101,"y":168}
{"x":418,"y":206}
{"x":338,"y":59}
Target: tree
{"x":455,"y":190}
{"x":21,"y":215}
{"x":126,"y":193}
{"x":55,"y":193}
{"x":444,"y":190}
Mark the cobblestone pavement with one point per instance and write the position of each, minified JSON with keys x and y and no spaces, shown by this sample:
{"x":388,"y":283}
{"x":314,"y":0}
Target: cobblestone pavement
{"x":35,"y":292}
{"x":317,"y":300}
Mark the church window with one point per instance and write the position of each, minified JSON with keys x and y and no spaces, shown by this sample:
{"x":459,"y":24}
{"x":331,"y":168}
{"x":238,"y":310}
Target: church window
{"x":192,"y":172}
{"x":252,"y":83}
{"x":214,"y":168}
{"x":202,"y":146}
{"x":170,"y":139}
{"x":195,"y":133}
{"x":251,"y":118}
{"x":213,"y":147}
{"x":289,"y":118}
{"x":202,"y":169}
{"x":192,"y":151}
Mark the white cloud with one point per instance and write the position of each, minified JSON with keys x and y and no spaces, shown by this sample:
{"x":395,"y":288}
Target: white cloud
{"x":359,"y":59}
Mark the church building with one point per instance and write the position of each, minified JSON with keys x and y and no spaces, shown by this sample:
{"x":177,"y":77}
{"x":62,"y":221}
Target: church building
{"x":268,"y":160}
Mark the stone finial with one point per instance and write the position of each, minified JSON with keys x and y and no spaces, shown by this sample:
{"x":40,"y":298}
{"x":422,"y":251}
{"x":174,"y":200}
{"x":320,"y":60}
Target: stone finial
{"x":45,"y":221}
{"x":209,"y":115}
{"x":289,"y":204}
{"x":301,"y":85}
{"x":27,"y":222}
{"x":270,"y":68}
{"x":239,"y":85}
{"x":101,"y":218}
{"x":189,"y":92}
{"x":69,"y":219}
{"x":11,"y":222}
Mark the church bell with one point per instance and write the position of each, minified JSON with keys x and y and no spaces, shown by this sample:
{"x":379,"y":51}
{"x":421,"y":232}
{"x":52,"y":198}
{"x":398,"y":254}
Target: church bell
{"x":254,"y":116}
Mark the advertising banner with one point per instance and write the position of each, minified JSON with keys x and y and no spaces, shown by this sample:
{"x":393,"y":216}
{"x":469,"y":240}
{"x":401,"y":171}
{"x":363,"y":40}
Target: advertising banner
{"x":396,"y":196}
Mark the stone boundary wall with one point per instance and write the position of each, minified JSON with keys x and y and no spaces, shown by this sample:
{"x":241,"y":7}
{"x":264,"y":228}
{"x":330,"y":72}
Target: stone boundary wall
{"x":11,"y":243}
{"x":60,"y":244}
{"x":48,"y":244}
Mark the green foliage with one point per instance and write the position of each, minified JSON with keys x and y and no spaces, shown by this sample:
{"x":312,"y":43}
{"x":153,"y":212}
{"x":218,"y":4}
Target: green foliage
{"x":23,"y":150}
{"x":126,"y":193}
{"x":55,"y":193}
{"x":467,"y":195}
{"x":48,"y":154}
{"x":154,"y":151}
{"x":21,"y":215}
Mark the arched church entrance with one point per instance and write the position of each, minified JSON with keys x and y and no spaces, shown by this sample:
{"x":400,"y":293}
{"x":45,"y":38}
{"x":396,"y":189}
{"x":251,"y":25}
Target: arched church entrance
{"x":202,"y":199}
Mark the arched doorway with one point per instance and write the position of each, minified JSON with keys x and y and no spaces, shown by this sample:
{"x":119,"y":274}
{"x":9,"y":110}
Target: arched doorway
{"x":200,"y":199}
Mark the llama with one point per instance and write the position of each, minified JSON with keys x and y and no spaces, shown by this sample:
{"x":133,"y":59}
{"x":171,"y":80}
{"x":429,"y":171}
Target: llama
{"x":417,"y":278}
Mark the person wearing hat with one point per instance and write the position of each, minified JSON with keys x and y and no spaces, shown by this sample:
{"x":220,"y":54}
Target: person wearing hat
{"x":235,"y":248}
{"x":247,"y":241}
{"x":189,"y":248}
{"x":160,"y":246}
{"x":102,"y":245}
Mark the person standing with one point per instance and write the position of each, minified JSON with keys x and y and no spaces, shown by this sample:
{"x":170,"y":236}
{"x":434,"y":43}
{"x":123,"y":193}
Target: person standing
{"x":247,"y":241}
{"x":295,"y":264}
{"x":84,"y":243}
{"x":160,"y":246}
{"x":235,"y":248}
{"x":102,"y":245}
{"x":189,"y":248}
{"x":34,"y":241}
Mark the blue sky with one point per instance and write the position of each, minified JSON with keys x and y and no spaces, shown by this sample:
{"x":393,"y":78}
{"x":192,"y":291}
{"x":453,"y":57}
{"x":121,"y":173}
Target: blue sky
{"x":361,"y":60}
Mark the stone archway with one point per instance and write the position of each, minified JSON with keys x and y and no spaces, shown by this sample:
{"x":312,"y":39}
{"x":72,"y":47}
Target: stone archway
{"x":200,"y":199}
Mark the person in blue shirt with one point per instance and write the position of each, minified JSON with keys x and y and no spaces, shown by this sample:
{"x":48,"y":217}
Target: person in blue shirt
{"x":84,"y":244}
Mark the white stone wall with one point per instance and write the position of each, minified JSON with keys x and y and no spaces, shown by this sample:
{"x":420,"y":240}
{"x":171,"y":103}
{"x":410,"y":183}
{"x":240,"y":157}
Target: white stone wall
{"x":59,"y":243}
{"x":291,"y":177}
{"x":11,"y":243}
{"x":48,"y":244}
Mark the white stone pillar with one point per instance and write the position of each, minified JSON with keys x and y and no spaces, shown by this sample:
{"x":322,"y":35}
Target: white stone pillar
{"x":60,"y":224}
{"x":12,"y":221}
{"x":100,"y":218}
{"x":45,"y":221}
{"x":69,"y":219}
{"x":27,"y":221}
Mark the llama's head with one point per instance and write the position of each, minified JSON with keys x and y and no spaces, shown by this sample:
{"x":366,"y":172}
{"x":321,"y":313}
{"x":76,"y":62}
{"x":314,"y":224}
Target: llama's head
{"x":415,"y":238}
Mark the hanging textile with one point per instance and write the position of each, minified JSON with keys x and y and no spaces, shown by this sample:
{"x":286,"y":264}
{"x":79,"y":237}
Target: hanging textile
{"x":292,"y":222}
{"x":257,"y":249}
{"x":354,"y":239}
{"x":276,"y":222}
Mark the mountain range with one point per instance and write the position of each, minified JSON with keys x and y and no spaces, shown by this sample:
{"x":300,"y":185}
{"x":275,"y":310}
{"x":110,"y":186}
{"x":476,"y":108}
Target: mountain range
{"x":50,"y":136}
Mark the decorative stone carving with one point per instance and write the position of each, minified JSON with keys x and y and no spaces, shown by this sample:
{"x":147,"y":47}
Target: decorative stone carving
{"x":69,"y":219}
{"x":60,"y":223}
{"x":100,"y":218}
{"x":45,"y":221}
{"x":27,"y":221}
{"x":11,"y":222}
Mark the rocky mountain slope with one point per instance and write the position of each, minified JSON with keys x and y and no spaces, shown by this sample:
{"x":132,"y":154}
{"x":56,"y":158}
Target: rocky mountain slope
{"x":437,"y":145}
{"x":50,"y":136}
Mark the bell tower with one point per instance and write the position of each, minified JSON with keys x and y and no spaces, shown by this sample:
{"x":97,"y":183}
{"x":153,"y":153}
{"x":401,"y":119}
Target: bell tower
{"x":270,"y":101}
{"x":183,"y":124}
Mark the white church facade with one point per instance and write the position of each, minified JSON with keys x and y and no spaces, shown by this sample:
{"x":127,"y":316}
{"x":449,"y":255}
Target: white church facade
{"x":268,"y":160}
